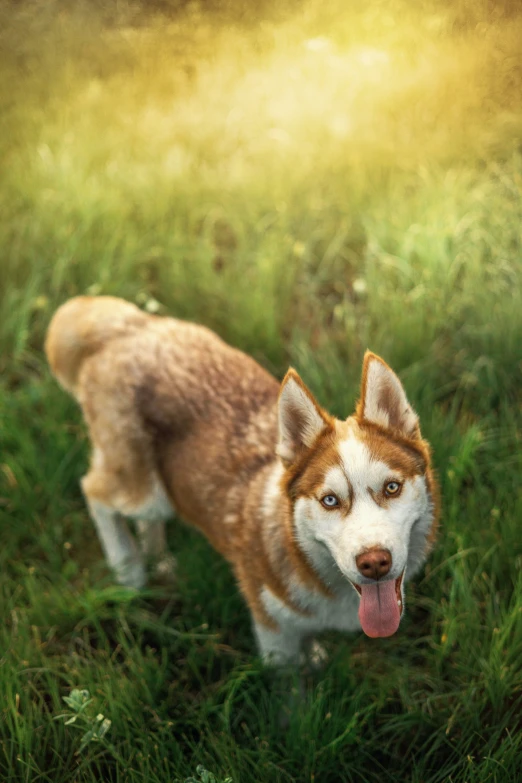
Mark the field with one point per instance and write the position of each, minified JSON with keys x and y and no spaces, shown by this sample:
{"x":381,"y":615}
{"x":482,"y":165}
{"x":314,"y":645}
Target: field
{"x":309,"y":179}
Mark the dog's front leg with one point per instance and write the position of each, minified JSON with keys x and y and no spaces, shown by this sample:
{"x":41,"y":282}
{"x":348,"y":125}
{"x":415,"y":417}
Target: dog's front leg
{"x":281,"y":647}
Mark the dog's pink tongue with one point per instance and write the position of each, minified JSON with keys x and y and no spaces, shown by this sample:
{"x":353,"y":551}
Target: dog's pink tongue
{"x":379,"y":611}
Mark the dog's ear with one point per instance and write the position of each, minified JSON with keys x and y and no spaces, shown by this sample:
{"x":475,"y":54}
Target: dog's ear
{"x":301,"y":419}
{"x":383,"y":400}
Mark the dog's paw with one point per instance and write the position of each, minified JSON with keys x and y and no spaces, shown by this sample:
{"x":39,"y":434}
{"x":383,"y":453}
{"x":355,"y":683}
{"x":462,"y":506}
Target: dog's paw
{"x":165,"y":568}
{"x":131,"y":575}
{"x":316,"y":656}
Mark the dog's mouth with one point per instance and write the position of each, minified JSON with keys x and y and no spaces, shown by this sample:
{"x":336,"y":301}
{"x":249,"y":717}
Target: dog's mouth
{"x":381,"y":606}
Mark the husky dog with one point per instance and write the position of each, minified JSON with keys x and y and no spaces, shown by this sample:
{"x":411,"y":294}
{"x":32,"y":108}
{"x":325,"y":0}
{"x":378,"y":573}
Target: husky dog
{"x":321,"y":519}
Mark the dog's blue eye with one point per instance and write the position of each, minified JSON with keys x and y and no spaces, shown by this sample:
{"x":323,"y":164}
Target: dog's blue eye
{"x":329,"y":501}
{"x":392,"y":488}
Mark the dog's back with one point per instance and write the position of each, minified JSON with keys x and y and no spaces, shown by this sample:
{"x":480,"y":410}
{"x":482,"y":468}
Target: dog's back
{"x":167,"y":403}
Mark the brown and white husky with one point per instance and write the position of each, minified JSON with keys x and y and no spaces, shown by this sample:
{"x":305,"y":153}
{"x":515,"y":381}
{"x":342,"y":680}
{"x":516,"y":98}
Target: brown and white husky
{"x":321,"y":519}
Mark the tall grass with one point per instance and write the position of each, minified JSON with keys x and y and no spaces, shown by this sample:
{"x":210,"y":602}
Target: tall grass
{"x":309,"y":180}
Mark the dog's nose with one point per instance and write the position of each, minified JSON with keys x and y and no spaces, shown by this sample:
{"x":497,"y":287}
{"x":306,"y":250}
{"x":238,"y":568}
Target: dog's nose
{"x":374,"y":563}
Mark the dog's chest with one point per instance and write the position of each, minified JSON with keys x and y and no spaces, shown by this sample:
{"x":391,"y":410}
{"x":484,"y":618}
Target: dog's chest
{"x":320,"y":613}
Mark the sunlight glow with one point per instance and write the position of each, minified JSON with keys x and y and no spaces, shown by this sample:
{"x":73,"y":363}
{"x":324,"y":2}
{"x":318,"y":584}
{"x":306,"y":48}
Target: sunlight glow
{"x":281,"y":100}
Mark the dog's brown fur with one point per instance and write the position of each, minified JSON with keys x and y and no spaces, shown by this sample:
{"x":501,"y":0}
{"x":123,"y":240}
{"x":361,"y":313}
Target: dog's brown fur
{"x":167,"y":399}
{"x":163,"y":396}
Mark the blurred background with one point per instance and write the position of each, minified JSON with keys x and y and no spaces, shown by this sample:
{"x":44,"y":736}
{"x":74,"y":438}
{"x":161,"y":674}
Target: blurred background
{"x":310,"y":180}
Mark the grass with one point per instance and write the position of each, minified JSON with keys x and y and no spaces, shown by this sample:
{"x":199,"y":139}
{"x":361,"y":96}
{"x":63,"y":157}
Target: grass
{"x":309,"y":180}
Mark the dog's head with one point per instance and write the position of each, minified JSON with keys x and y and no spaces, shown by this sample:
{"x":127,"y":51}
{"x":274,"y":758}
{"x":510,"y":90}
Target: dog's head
{"x":363,"y":495}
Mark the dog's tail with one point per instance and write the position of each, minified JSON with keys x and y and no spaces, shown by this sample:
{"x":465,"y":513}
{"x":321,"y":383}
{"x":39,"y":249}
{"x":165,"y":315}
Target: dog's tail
{"x":82,"y":326}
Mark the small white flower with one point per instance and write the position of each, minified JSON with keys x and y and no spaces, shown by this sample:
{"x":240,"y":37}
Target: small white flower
{"x":152,"y":305}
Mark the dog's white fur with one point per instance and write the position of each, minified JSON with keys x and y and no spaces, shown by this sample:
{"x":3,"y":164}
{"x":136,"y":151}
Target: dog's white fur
{"x":179,"y":420}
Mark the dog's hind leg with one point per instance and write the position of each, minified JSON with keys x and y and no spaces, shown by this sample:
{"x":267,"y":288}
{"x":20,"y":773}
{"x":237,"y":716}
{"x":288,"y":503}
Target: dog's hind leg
{"x":118,"y":544}
{"x":111,"y":489}
{"x":153,"y":541}
{"x":132,"y":491}
{"x":150,"y":520}
{"x":122,"y":483}
{"x":123,"y":479}
{"x":151,"y":529}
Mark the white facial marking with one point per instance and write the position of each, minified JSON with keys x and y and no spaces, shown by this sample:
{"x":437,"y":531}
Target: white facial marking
{"x":333,"y":539}
{"x":363,"y":472}
{"x":335,"y":481}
